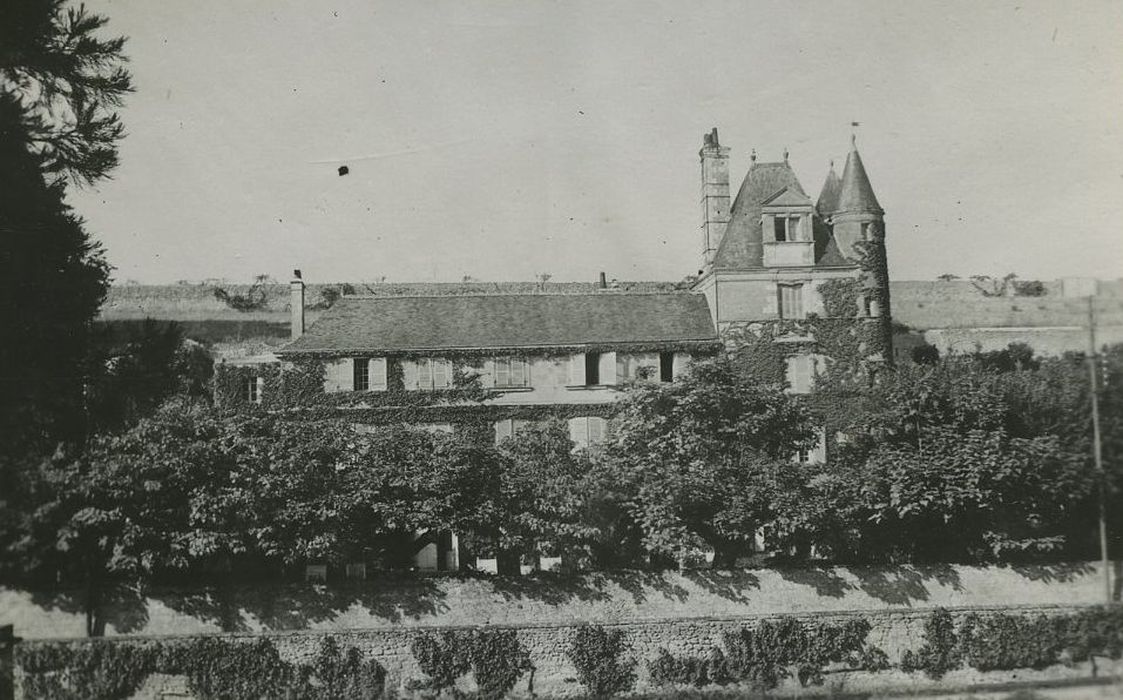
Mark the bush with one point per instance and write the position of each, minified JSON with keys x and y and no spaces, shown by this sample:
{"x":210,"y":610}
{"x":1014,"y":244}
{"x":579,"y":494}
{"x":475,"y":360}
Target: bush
{"x":496,"y":659}
{"x":216,"y":669}
{"x":772,"y":651}
{"x":595,"y":653}
{"x":940,"y":652}
{"x":690,"y":670}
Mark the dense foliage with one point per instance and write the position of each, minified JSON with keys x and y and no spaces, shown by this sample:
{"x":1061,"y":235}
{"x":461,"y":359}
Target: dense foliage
{"x":216,"y":669}
{"x":496,"y":659}
{"x":768,"y":653}
{"x":704,"y":463}
{"x":597,"y":654}
{"x":1000,"y":641}
{"x":975,"y":458}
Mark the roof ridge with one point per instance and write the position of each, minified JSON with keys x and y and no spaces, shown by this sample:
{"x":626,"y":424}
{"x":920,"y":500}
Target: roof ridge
{"x":599,"y":293}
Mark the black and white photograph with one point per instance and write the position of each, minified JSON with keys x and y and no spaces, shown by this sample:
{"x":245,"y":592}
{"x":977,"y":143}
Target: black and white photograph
{"x":441,"y":350}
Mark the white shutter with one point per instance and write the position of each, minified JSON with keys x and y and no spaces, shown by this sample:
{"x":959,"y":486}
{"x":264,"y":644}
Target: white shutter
{"x":596,"y":431}
{"x":503,"y":429}
{"x":579,"y":431}
{"x":376,"y":374}
{"x":819,"y":453}
{"x":260,"y":389}
{"x":410,"y":374}
{"x":502,"y":368}
{"x":338,"y":375}
{"x":625,"y":368}
{"x":608,"y":368}
{"x":520,"y":372}
{"x":680,"y":365}
{"x":577,"y":369}
{"x":424,"y":373}
{"x":800,"y":371}
{"x":442,"y":373}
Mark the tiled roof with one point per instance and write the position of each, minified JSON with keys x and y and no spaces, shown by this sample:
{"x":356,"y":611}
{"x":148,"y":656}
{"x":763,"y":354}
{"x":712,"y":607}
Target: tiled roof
{"x":856,"y":193}
{"x":374,"y":324}
{"x":828,"y":197}
{"x":741,"y":246}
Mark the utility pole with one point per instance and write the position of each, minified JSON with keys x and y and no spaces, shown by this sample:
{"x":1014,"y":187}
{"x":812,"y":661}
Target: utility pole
{"x":1097,"y":449}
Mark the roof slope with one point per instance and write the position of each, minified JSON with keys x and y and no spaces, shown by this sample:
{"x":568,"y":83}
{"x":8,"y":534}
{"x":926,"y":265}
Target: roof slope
{"x":856,"y":193}
{"x":828,"y":197}
{"x":390,"y":324}
{"x":741,"y":246}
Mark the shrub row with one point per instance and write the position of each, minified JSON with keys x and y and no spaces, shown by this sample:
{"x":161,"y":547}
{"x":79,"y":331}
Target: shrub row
{"x":766,"y":654}
{"x":215,"y":669}
{"x":762,"y":655}
{"x":1006,"y":642}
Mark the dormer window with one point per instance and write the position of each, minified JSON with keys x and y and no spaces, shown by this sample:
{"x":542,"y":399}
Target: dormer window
{"x":786,"y":228}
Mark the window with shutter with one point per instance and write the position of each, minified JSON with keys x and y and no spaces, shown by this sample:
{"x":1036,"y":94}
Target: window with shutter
{"x":503,"y":429}
{"x":577,"y":370}
{"x":442,"y":374}
{"x":376,"y":374}
{"x":597,"y":431}
{"x":791,"y":300}
{"x":510,"y":372}
{"x":360,"y":374}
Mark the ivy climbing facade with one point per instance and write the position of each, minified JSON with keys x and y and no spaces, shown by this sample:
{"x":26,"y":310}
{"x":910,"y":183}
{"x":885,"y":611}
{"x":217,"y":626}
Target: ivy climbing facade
{"x":798,"y":289}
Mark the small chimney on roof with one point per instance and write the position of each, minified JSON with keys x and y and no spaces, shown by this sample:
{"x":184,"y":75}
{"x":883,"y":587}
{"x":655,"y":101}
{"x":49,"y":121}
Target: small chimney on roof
{"x":602,"y":281}
{"x":297,"y":304}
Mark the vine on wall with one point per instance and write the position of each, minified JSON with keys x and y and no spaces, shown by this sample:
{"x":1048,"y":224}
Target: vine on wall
{"x":216,"y":669}
{"x":496,"y":659}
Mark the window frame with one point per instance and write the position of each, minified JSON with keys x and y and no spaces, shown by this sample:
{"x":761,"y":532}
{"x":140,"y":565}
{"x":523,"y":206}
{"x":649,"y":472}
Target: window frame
{"x":360,"y":374}
{"x":796,"y":291}
{"x":506,"y":367}
{"x":427,"y":376}
{"x":253,"y":390}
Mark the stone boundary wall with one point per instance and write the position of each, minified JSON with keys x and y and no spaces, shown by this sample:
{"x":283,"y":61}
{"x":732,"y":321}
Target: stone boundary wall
{"x":893,"y":631}
{"x":551,"y":599}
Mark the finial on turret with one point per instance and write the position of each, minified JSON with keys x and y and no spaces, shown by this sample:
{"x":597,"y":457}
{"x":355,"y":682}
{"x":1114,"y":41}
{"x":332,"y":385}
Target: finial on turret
{"x":785,"y":154}
{"x":853,"y":141}
{"x":831,"y":166}
{"x":752,"y":156}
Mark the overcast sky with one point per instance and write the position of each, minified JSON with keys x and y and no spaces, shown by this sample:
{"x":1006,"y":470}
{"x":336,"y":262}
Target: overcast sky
{"x":502,"y":140}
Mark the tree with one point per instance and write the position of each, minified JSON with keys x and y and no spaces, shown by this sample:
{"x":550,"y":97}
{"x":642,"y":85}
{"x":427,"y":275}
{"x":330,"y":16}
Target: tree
{"x":960,"y":461}
{"x":59,"y":86}
{"x":701,"y":462}
{"x":67,"y":81}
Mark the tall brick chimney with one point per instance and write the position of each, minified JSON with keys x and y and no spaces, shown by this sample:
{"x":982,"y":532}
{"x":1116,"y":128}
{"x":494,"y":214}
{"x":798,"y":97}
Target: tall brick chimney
{"x":297,"y":304}
{"x":715,"y":194}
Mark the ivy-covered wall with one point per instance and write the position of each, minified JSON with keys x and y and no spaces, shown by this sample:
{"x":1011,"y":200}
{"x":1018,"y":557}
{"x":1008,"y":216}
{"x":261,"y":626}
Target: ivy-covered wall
{"x":795,"y":655}
{"x":296,"y":385}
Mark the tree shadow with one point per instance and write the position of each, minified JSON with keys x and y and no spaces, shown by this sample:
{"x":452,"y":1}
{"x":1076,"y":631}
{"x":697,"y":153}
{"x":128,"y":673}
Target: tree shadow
{"x":731,"y":585}
{"x":123,"y":606}
{"x":1053,"y":573}
{"x":826,"y":581}
{"x":903,"y":585}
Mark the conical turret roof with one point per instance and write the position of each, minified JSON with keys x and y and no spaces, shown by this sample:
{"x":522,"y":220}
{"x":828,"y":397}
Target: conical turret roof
{"x":856,"y":193}
{"x":828,"y":196}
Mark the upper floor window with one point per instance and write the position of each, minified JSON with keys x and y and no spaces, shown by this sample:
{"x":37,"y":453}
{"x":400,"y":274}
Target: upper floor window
{"x":666,"y":366}
{"x":592,"y":368}
{"x":254,"y":389}
{"x":786,"y":228}
{"x":433,"y":373}
{"x":866,"y":231}
{"x":791,"y":300}
{"x":360,"y":374}
{"x":511,"y":372}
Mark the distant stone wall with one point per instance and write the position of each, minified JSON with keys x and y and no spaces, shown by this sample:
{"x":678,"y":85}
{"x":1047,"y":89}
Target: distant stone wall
{"x":610,"y":597}
{"x":893,"y":631}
